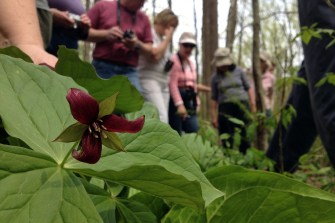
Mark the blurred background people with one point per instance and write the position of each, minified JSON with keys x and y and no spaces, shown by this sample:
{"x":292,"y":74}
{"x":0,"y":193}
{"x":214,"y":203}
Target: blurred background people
{"x":70,"y":24}
{"x":155,"y":66}
{"x":184,"y":103}
{"x":230,"y":97}
{"x":268,"y":81}
{"x":121,"y":32}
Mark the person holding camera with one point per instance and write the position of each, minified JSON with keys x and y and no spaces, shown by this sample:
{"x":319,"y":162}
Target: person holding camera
{"x":70,"y":24}
{"x":154,"y":67}
{"x":230,"y":97}
{"x":121,"y":32}
{"x":184,"y":103}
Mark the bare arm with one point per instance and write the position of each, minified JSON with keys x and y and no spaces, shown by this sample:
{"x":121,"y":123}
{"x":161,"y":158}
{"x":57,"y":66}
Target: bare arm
{"x":158,"y":52}
{"x":19,"y":27}
{"x":203,"y":88}
{"x":252,"y":100}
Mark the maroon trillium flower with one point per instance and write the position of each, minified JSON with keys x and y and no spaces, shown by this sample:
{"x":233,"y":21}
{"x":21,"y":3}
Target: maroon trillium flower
{"x":96,"y":125}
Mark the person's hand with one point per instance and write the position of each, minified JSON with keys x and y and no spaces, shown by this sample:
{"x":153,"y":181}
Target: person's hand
{"x":85,"y":20}
{"x":114,"y":33}
{"x":182,"y":112}
{"x":61,"y":18}
{"x":39,"y":55}
{"x":169,"y":32}
{"x":131,"y":43}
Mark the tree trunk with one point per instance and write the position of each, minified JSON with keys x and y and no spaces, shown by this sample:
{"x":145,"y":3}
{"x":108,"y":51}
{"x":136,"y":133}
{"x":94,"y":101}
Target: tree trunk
{"x":170,"y":4}
{"x":87,"y":45}
{"x":196,"y":36}
{"x":153,"y":8}
{"x":240,"y":37}
{"x":261,"y":141}
{"x":209,"y":45}
{"x":231,"y":24}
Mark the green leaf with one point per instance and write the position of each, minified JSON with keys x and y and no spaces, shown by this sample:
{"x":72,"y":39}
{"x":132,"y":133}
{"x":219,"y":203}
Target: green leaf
{"x":107,"y":106}
{"x":72,"y":133}
{"x":185,"y":215}
{"x":258,"y":196}
{"x":16,"y":53}
{"x":328,"y":78}
{"x":156,"y":162}
{"x":203,"y":153}
{"x":155,"y":204}
{"x":236,"y":121}
{"x":35,"y":189}
{"x":113,"y":209}
{"x":69,"y":64}
{"x":33,"y":105}
{"x":112,"y":141}
{"x":148,"y":110}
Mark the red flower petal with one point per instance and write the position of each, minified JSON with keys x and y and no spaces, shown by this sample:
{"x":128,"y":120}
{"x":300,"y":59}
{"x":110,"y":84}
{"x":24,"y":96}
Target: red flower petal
{"x":90,"y":149}
{"x":84,"y":107}
{"x":115,"y":123}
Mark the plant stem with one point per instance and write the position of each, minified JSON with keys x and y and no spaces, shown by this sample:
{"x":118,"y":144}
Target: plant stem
{"x":70,"y":151}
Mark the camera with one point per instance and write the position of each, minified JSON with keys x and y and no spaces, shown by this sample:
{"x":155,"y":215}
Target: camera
{"x":76,"y":19}
{"x":168,"y":65}
{"x":128,"y":34}
{"x":79,"y":30}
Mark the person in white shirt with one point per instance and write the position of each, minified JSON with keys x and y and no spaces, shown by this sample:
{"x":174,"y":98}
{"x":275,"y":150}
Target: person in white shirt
{"x":154,"y":67}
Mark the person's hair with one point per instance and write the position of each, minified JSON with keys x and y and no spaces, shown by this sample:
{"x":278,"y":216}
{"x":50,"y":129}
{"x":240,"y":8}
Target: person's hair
{"x":166,"y":18}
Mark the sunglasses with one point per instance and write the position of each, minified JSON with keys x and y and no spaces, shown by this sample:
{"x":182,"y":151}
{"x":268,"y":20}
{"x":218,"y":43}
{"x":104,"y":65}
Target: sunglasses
{"x":188,"y":45}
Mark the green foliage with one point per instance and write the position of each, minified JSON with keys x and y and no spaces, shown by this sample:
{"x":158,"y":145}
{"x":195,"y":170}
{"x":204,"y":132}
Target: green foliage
{"x":83,"y":73}
{"x":329,"y":78}
{"x":35,"y":110}
{"x":257,"y":196}
{"x":288,"y":113}
{"x":40,"y":182}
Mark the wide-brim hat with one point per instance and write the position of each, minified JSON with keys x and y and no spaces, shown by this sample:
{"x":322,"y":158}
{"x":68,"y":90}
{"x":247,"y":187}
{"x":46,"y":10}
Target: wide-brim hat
{"x":222,"y":57}
{"x":266,"y":57}
{"x":187,"y":37}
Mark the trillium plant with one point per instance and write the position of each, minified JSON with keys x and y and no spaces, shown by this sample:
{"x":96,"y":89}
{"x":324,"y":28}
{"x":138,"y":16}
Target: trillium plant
{"x":96,"y":126}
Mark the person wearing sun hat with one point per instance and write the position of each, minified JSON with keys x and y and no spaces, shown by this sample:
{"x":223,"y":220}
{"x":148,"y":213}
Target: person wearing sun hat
{"x":230,"y":97}
{"x":184,"y":102}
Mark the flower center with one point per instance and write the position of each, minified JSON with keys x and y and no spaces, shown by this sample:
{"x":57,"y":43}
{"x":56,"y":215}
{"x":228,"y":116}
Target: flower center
{"x":96,"y":129}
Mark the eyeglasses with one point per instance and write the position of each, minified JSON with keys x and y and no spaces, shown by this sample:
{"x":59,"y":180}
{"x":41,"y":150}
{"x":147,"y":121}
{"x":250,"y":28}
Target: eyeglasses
{"x":188,"y":45}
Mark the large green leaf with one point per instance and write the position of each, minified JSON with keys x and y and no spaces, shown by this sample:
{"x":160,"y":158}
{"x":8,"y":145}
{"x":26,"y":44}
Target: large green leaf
{"x":35,"y":189}
{"x":33,"y":105}
{"x":258,"y":196}
{"x":203,"y":153}
{"x":69,"y":64}
{"x":113,"y":209}
{"x":155,"y":204}
{"x":156,"y":162}
{"x":179,"y":214}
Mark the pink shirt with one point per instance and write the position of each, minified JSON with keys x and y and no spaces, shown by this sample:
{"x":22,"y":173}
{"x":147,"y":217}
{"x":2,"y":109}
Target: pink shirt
{"x":103,"y":15}
{"x":178,"y":78}
{"x":268,"y":81}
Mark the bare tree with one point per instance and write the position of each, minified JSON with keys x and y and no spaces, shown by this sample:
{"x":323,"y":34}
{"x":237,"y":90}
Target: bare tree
{"x":170,"y":4}
{"x":153,"y":8}
{"x":261,"y":141}
{"x":196,"y":36}
{"x":231,"y":24}
{"x":209,"y":45}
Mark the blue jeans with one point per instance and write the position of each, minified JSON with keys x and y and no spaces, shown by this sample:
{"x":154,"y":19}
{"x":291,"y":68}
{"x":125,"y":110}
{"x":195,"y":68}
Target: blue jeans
{"x":188,"y":125}
{"x":106,"y":70}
